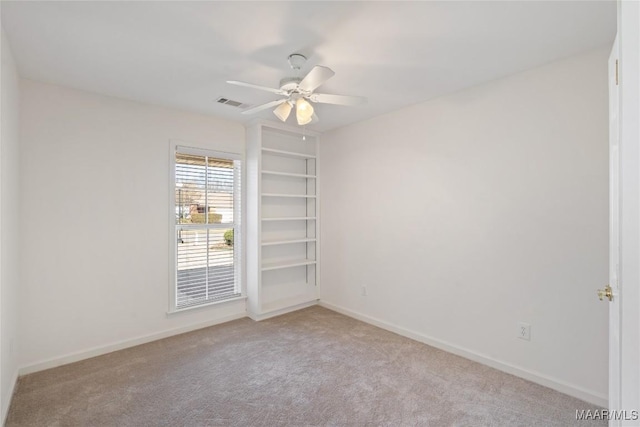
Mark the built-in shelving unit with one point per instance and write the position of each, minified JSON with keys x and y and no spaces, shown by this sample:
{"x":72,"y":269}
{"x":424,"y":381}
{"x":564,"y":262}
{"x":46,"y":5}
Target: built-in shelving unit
{"x":282,"y":225}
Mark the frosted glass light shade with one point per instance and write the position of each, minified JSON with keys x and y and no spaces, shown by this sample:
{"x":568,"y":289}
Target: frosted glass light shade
{"x":282,"y":111}
{"x":304,"y":111}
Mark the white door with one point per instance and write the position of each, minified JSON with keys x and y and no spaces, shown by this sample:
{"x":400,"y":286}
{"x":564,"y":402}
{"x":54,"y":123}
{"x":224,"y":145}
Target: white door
{"x":614,"y":234}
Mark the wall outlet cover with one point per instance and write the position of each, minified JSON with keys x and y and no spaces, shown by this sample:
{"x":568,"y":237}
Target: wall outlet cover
{"x":524,"y":331}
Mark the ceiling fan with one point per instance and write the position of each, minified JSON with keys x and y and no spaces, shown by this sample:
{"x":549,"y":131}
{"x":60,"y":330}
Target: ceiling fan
{"x":299,"y":91}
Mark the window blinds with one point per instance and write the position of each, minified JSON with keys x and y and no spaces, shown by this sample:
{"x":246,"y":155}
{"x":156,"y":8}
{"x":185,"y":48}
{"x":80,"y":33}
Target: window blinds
{"x":207,"y":207}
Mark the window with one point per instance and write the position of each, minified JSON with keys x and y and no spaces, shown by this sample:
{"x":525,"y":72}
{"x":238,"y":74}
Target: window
{"x":207,"y":228}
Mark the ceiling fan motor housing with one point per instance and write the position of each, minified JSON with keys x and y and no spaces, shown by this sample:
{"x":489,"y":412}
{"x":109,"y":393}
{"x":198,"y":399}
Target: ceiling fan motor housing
{"x":289,"y":84}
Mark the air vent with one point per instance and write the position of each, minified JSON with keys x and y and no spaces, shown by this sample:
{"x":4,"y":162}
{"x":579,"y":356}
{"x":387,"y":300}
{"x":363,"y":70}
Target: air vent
{"x":231,"y":102}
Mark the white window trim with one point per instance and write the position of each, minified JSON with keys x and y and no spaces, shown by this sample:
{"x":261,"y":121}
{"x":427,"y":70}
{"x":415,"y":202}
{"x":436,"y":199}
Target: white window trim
{"x":177,"y":145}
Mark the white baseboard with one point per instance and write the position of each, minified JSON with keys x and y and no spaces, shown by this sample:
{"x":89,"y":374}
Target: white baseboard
{"x":561,"y":386}
{"x":98,"y":351}
{"x":120,"y":345}
{"x":7,"y":402}
{"x":558,"y":385}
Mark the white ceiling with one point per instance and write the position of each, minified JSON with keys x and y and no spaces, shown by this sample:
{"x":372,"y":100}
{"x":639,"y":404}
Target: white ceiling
{"x":179,"y":54}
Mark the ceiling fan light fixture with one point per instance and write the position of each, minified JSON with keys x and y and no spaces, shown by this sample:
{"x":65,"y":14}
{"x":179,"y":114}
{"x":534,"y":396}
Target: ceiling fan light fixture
{"x":304,"y":111}
{"x":303,"y":122}
{"x":282,"y":111}
{"x":298,"y":92}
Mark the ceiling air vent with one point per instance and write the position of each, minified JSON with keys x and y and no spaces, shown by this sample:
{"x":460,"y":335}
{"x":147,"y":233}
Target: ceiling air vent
{"x":231,"y":102}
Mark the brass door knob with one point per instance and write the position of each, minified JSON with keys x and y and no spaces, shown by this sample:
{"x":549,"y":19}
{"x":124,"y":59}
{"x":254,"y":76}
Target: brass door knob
{"x":606,"y":292}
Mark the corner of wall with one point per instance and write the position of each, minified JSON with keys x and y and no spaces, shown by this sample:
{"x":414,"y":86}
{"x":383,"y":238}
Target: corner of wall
{"x":9,"y":235}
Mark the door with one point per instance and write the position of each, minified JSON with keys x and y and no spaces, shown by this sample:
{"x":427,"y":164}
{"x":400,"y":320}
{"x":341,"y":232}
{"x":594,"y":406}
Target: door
{"x":614,"y":234}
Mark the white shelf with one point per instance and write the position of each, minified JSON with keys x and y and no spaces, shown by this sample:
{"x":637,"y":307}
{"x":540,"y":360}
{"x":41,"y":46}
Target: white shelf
{"x":305,"y":196}
{"x":293,"y":175}
{"x":288,"y":153}
{"x":285,"y":303}
{"x":287,"y":242}
{"x":287,"y":264}
{"x":292,"y":218}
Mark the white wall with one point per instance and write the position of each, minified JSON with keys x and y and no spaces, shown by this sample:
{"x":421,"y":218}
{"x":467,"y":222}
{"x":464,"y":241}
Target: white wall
{"x":467,"y":214}
{"x":95,"y":241}
{"x":9,"y":225}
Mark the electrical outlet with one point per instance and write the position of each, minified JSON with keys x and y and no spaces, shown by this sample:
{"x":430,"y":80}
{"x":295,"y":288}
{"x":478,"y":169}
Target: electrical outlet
{"x":364,"y":291}
{"x":524,"y":331}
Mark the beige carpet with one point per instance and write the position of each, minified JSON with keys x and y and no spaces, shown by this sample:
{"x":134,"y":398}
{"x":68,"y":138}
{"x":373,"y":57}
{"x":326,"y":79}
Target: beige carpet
{"x":311,"y":367}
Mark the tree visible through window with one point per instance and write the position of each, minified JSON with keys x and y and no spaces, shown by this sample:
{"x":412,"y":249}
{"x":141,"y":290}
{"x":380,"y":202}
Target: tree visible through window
{"x":207,"y":215}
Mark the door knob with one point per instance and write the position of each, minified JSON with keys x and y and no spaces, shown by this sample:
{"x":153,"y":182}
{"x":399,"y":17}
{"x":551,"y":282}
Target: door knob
{"x":605,"y":293}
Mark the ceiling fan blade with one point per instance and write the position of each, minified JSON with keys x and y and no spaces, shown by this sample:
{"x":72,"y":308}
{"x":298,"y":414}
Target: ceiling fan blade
{"x":325,"y":98}
{"x":314,"y":119}
{"x":317,"y":76}
{"x":264,"y":106}
{"x":252,"y":86}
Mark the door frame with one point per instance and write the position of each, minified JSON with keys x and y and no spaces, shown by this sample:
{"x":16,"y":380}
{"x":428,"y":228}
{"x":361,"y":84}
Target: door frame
{"x":629,"y":110}
{"x":614,"y":229}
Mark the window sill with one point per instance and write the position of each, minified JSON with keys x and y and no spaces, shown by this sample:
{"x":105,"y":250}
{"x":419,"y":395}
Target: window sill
{"x":209,"y":304}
